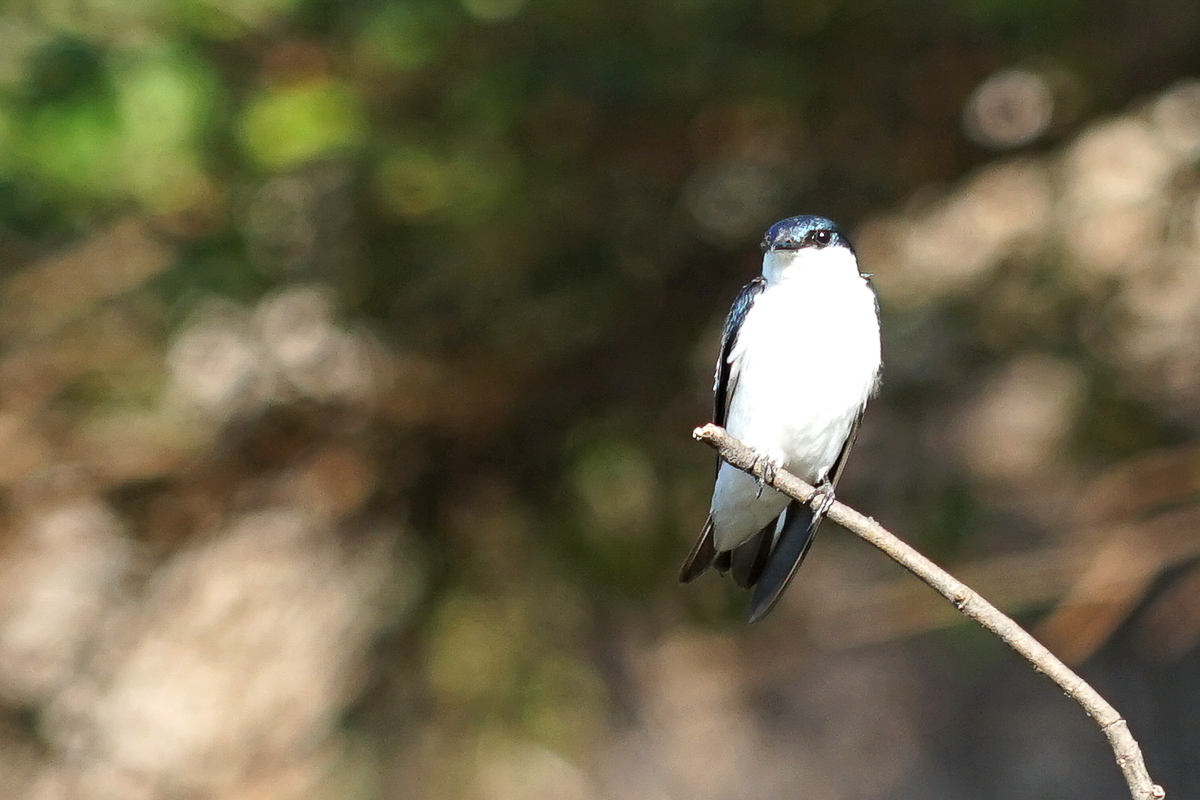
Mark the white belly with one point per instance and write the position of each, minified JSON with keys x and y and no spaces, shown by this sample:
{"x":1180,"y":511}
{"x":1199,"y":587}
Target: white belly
{"x":806,"y":361}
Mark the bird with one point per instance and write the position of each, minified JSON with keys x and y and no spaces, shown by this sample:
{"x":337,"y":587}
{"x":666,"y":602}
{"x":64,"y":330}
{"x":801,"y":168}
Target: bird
{"x":800,"y":357}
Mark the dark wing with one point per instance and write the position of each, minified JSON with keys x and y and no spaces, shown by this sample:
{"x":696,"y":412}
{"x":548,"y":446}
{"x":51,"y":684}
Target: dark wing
{"x":835,"y":472}
{"x":799,"y":526}
{"x":724,"y":382}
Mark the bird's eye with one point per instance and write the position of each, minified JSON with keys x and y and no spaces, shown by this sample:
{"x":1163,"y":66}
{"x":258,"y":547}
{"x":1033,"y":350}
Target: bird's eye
{"x":820,"y":237}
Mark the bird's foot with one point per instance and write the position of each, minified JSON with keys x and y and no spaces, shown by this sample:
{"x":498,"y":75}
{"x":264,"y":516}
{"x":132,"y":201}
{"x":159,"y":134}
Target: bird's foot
{"x":766,"y":468}
{"x":822,"y":499}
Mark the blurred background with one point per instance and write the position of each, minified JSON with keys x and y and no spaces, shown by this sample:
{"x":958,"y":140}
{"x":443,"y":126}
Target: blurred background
{"x":350,"y":352}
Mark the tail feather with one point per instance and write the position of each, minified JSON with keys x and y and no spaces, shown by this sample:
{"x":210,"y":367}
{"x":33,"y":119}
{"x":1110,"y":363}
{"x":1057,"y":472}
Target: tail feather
{"x":791,"y":546}
{"x":749,"y":558}
{"x":702,"y":555}
{"x":766,"y":562}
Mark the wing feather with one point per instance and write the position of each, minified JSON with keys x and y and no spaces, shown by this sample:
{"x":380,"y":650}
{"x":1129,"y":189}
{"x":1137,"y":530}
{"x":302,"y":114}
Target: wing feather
{"x":725,"y":378}
{"x":724,"y":382}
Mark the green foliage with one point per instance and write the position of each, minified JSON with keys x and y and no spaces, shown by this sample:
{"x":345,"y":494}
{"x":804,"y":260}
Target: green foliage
{"x":284,"y":127}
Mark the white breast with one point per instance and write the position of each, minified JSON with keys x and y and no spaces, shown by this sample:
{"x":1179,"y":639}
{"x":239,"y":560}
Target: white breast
{"x":806,"y":360}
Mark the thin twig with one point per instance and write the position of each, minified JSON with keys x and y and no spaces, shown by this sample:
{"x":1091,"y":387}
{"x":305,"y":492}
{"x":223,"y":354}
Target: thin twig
{"x":966,"y":600}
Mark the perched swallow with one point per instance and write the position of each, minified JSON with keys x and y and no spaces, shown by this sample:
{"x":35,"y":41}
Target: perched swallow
{"x":800,"y":357}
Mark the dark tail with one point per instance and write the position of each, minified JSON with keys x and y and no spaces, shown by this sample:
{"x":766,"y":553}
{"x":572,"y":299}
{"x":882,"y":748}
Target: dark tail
{"x":791,"y":546}
{"x":748,"y":559}
{"x":702,"y":555}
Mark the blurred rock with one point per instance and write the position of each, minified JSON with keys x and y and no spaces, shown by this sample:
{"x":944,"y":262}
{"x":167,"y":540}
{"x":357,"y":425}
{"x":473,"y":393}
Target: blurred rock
{"x":1016,"y":428}
{"x":217,"y":363}
{"x":514,"y":771}
{"x":240,"y":656}
{"x":952,"y":247}
{"x":1116,"y":163}
{"x":1155,"y":337}
{"x":60,"y":579}
{"x":1176,"y":117}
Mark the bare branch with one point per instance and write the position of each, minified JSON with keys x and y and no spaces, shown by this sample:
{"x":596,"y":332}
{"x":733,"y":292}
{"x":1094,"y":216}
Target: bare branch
{"x":966,"y":600}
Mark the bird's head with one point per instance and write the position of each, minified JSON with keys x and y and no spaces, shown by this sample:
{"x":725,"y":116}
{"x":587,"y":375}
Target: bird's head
{"x":799,"y":243}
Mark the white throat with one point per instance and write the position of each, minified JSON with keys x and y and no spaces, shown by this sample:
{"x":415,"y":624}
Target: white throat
{"x":788,"y":265}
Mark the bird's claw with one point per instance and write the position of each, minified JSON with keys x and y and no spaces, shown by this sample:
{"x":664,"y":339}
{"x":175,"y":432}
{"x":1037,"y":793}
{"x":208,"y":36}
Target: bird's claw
{"x":822,"y":498}
{"x":766,"y":473}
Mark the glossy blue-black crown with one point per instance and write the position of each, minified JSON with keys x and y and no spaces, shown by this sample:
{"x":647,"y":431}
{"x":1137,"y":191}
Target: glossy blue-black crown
{"x":798,"y":233}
